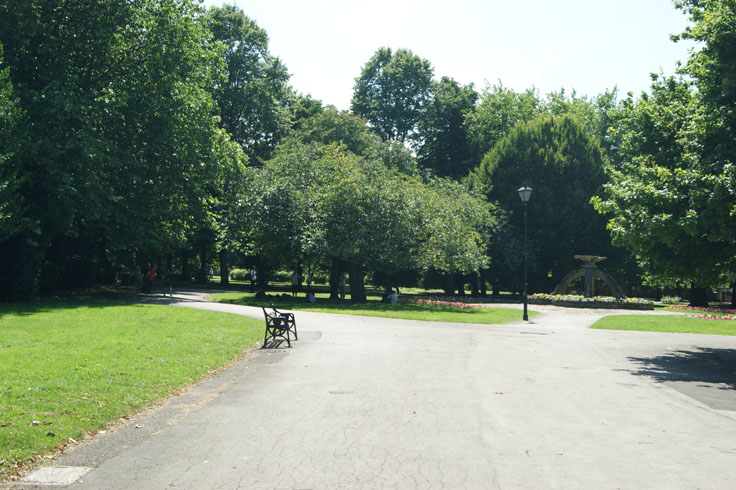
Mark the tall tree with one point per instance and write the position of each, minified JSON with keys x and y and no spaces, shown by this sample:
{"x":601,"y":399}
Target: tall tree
{"x":334,"y":126}
{"x":664,"y":204}
{"x":320,"y":203}
{"x":565,"y":167}
{"x":253,"y":90}
{"x":16,"y":228}
{"x":598,"y":114}
{"x":671,"y":200}
{"x":713,"y":70}
{"x":391,"y":92}
{"x":500,"y":109}
{"x":114,"y":98}
{"x":441,"y":140}
{"x":56,"y":55}
{"x":10,"y":143}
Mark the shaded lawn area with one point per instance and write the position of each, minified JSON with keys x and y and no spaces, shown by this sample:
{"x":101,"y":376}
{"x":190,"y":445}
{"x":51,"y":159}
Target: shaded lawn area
{"x":374,"y":307}
{"x":71,"y":367}
{"x":667,"y":323}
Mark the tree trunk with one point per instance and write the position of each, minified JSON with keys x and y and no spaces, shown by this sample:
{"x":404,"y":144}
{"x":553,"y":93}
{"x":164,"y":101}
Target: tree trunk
{"x":262,"y":276}
{"x":460,"y":284}
{"x":483,"y":289}
{"x":733,"y":294}
{"x":449,"y":285}
{"x":185,"y":272}
{"x":699,"y":297}
{"x":224,"y":269}
{"x":357,"y":284}
{"x":474,"y":284}
{"x":104,"y":271}
{"x":335,"y":279}
{"x":202,"y":273}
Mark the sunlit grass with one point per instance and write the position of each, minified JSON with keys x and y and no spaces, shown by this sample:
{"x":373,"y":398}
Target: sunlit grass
{"x":402,"y":310}
{"x":67,"y":368}
{"x":667,"y":323}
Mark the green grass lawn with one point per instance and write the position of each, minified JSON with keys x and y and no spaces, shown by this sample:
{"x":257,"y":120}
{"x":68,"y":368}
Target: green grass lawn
{"x":71,"y":367}
{"x":667,"y":323}
{"x":407,"y":311}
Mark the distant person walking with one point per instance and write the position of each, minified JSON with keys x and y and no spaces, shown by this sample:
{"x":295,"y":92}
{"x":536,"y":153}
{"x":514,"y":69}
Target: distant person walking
{"x":148,"y":279}
{"x":253,"y":279}
{"x":342,"y":286}
{"x":167,"y":283}
{"x":295,"y":284}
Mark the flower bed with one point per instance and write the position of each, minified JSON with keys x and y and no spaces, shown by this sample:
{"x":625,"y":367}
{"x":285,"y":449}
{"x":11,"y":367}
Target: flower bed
{"x":469,"y":299}
{"x":725,"y":313}
{"x":713,"y":317}
{"x":575,"y":301}
{"x":700,"y":308}
{"x":451,"y":304}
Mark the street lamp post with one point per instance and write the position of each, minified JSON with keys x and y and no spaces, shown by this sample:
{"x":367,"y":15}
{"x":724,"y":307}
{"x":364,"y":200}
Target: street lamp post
{"x":525,"y":193}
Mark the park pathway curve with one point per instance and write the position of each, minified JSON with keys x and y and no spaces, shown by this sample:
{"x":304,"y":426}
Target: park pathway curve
{"x":375,"y":403}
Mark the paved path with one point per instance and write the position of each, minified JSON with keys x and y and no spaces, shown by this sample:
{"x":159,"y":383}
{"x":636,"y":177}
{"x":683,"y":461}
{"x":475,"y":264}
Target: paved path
{"x":364,"y":403}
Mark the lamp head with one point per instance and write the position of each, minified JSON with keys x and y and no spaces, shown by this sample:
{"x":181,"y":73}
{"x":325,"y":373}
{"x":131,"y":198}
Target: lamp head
{"x":525,"y":193}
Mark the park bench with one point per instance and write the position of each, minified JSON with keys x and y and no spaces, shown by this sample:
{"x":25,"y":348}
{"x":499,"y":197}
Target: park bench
{"x":279,"y":324}
{"x":290,"y":320}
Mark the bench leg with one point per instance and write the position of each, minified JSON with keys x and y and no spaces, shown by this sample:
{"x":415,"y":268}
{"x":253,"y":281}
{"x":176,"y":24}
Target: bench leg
{"x":277,"y":329}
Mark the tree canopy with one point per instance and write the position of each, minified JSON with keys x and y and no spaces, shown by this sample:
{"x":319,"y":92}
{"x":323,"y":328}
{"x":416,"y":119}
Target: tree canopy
{"x":252,"y":89}
{"x":441,"y":140}
{"x":160,"y":131}
{"x":392,"y":91}
{"x":671,"y":198}
{"x":564,"y":166}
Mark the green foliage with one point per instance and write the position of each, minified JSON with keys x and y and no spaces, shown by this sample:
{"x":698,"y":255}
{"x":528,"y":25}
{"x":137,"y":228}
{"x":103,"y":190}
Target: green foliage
{"x":127,"y":157}
{"x":10,"y":143}
{"x":322,"y":203}
{"x":578,"y":301}
{"x":671,"y":199}
{"x":18,"y":231}
{"x":598,"y":114}
{"x":332,"y":126}
{"x":564,"y":166}
{"x":392,"y":91}
{"x":499,"y":111}
{"x":240,"y":274}
{"x":252,"y":84}
{"x":713,"y":69}
{"x":441,"y":140}
{"x":458,"y":226}
{"x":670,"y":300}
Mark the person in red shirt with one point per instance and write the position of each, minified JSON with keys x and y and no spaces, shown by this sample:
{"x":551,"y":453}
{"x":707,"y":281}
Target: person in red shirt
{"x":149,"y":278}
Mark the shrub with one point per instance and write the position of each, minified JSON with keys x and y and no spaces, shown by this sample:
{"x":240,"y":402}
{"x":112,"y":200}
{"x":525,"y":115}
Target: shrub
{"x":240,"y":274}
{"x":576,"y":301}
{"x":670,"y":300}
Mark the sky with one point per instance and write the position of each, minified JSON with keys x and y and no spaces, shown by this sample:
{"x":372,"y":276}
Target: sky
{"x":584,"y":45}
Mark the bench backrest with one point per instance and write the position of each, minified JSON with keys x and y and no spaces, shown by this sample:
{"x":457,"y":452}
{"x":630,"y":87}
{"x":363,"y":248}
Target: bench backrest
{"x":268,"y":315}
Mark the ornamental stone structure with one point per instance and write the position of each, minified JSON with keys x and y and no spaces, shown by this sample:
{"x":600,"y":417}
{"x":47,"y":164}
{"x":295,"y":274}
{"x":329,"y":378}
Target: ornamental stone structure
{"x":590,"y":271}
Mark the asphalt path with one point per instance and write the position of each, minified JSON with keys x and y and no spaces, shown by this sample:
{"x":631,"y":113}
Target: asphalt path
{"x":364,"y":403}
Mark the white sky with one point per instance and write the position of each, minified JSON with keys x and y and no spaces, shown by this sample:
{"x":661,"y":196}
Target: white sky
{"x":586,"y":45}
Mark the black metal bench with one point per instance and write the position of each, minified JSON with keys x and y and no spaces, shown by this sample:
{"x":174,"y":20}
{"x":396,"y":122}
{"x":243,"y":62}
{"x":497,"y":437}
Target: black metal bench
{"x":279,"y":324}
{"x":290,"y":320}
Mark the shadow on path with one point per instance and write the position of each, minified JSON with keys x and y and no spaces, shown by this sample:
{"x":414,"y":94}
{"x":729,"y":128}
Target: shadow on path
{"x":180,"y":296}
{"x":704,"y":373}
